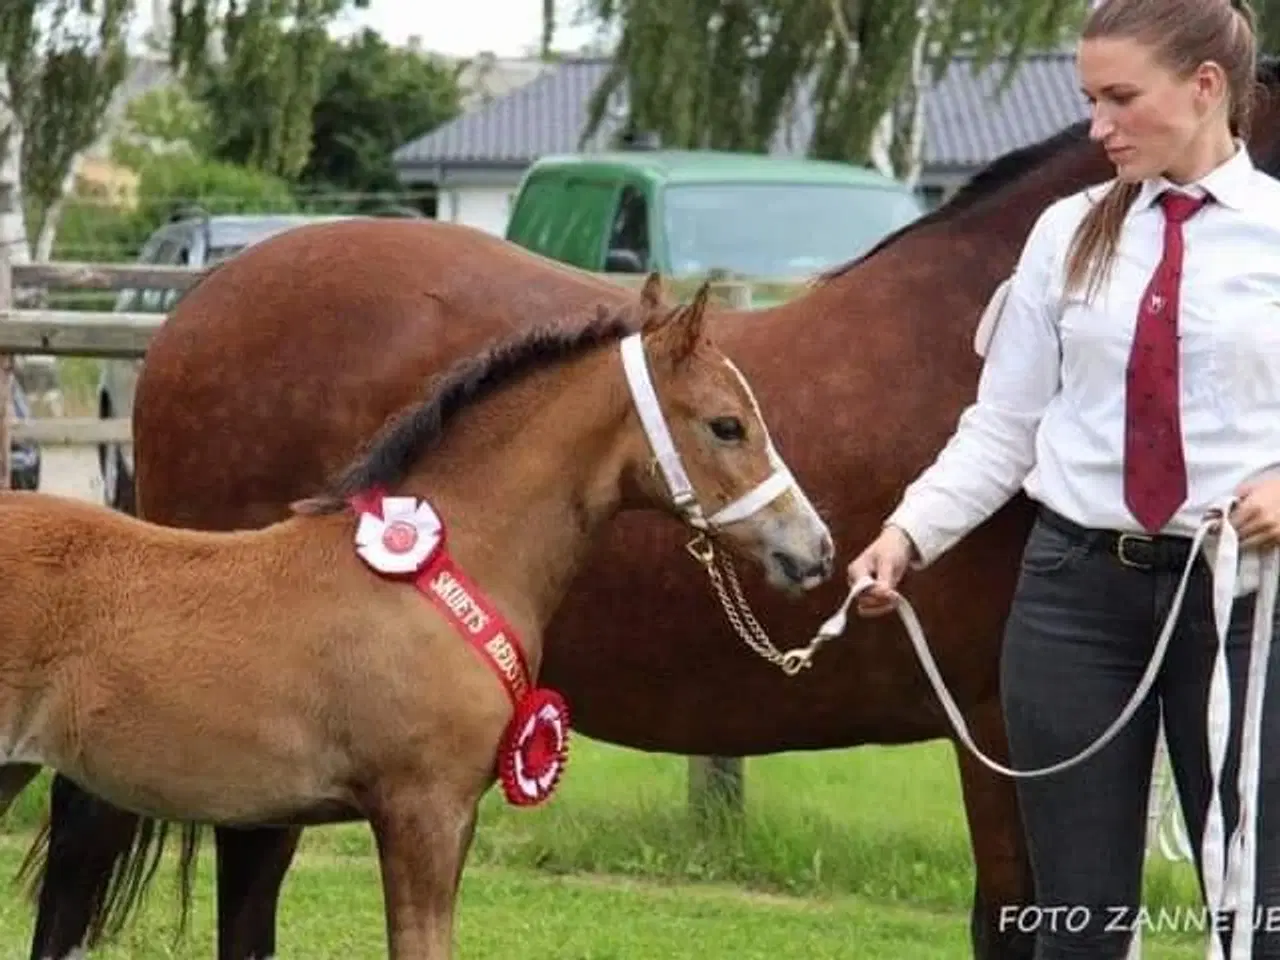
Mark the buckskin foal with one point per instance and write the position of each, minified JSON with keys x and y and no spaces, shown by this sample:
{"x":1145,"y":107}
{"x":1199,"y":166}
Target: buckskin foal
{"x":375,"y":655}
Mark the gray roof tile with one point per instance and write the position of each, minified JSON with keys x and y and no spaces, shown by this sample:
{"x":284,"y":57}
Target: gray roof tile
{"x":968,"y":120}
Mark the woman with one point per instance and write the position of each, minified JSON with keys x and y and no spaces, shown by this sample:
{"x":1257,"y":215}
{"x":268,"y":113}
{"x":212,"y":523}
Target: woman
{"x":1133,"y":381}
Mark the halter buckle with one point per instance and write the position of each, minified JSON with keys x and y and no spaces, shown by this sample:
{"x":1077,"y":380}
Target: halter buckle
{"x":684,"y":500}
{"x":701,"y":549}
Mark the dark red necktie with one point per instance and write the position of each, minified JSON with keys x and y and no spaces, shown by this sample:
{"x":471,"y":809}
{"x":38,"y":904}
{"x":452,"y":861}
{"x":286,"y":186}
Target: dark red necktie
{"x":1155,"y":471}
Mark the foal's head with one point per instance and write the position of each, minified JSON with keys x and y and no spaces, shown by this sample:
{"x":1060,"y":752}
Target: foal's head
{"x":713,"y":463}
{"x":691,"y":439}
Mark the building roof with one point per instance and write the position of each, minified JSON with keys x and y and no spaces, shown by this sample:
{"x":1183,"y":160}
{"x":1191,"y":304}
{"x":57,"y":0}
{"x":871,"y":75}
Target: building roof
{"x":968,"y":120}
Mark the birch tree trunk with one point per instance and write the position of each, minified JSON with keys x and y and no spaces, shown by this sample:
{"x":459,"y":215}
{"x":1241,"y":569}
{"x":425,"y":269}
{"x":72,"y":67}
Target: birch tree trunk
{"x":13,"y":240}
{"x":13,"y":226}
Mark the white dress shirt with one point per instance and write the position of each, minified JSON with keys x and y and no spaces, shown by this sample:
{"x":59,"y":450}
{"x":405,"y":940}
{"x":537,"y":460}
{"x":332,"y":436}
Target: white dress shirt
{"x":1049,"y":413}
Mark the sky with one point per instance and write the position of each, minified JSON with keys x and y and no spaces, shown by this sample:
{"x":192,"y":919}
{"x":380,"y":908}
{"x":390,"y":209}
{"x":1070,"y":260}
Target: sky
{"x":508,"y":28}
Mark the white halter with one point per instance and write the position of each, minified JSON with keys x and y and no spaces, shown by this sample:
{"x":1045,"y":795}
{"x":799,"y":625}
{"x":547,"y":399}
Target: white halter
{"x":664,"y":450}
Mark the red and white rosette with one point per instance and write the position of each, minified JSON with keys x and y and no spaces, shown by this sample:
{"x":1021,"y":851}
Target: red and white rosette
{"x":534,"y":748}
{"x":403,"y":539}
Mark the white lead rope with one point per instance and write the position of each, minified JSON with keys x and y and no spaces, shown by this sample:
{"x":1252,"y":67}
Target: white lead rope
{"x":1229,"y":866}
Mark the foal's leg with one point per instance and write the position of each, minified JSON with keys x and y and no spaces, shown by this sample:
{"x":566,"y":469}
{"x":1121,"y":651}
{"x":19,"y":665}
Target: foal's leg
{"x":422,"y":837}
{"x":251,"y":868}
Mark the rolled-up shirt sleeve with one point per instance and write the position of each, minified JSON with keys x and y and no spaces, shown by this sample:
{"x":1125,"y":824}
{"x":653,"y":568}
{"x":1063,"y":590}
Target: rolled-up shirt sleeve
{"x":992,"y":450}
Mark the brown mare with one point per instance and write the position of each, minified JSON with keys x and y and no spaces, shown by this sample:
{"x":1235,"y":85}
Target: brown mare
{"x":283,"y":676}
{"x":286,"y":357}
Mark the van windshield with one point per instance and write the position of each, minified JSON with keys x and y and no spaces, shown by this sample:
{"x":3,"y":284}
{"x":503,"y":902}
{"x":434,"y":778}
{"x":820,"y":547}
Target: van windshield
{"x":777,"y":229}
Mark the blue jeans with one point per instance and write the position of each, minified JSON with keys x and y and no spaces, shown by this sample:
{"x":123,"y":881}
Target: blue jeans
{"x":1080,"y":633}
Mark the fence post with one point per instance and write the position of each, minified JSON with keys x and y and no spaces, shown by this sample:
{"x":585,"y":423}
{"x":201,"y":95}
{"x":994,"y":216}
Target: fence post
{"x":716,"y":785}
{"x":6,"y":304}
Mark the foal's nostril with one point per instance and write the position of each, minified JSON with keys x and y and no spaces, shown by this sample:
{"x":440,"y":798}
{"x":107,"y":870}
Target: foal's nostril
{"x":788,"y":565}
{"x":798,"y":574}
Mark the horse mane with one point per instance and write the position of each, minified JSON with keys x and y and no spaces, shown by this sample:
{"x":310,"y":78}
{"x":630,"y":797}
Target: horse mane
{"x":405,"y":438}
{"x":1267,"y":78}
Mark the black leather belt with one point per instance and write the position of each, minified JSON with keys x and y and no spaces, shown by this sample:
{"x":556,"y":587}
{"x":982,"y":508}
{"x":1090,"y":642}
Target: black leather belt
{"x":1163,"y":553}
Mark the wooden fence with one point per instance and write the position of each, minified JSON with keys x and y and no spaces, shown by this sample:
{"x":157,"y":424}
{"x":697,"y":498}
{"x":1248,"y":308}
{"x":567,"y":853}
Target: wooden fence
{"x":714,"y":782}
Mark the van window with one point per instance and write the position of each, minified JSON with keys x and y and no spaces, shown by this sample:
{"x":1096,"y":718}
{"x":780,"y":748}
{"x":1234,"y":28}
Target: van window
{"x":533,"y":222}
{"x":629,"y":235}
{"x":165,"y":253}
{"x":777,"y":229}
{"x":580,"y":234}
{"x":181,"y":258}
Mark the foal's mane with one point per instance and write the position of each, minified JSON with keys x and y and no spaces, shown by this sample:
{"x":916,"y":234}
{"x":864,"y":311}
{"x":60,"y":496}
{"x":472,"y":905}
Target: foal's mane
{"x":405,"y":438}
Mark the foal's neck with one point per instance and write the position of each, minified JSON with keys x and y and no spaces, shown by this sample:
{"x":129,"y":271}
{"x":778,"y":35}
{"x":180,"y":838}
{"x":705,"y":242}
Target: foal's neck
{"x":525,"y":481}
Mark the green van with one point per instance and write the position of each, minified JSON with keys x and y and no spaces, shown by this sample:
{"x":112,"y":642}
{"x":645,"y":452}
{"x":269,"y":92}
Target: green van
{"x":685,"y":213}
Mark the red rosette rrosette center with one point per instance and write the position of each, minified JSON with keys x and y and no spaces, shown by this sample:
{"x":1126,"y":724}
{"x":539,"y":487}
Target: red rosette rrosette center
{"x":534,"y":748}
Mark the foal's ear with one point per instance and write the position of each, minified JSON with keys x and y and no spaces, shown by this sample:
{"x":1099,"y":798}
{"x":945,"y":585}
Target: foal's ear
{"x":682,"y":329}
{"x":651,"y":292}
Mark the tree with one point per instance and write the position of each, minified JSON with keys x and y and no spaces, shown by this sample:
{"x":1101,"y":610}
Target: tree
{"x":163,"y":120}
{"x":1267,"y":23}
{"x":723,"y":74}
{"x":264,"y":85}
{"x":373,"y":98}
{"x":63,"y":60}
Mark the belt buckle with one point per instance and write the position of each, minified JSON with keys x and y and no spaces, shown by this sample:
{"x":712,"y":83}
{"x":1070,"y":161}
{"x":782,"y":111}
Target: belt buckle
{"x":1120,"y":553}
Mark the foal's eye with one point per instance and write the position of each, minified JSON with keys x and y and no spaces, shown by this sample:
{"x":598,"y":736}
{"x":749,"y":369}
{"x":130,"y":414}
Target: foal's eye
{"x":729,"y":429}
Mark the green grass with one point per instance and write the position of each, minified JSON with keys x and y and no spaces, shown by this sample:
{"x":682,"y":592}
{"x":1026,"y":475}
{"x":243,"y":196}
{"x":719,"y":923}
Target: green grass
{"x":331,"y":910}
{"x":859,"y":853}
{"x":78,"y":380}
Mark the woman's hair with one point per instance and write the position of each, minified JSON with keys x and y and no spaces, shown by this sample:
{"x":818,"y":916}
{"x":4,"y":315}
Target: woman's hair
{"x":1183,"y":34}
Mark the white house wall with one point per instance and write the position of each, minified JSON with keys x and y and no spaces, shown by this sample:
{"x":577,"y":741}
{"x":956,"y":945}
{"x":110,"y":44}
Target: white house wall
{"x":486,"y":207}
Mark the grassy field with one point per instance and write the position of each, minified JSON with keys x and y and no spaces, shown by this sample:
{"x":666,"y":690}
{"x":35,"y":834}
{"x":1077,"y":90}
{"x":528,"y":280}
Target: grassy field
{"x":859,"y":853}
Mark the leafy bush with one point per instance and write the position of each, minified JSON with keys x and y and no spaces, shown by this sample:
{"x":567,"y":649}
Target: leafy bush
{"x":170,"y":182}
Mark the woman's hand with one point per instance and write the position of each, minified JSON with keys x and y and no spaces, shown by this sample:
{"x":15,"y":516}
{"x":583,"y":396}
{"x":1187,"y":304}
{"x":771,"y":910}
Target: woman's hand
{"x":885,"y":561}
{"x":1256,"y":515}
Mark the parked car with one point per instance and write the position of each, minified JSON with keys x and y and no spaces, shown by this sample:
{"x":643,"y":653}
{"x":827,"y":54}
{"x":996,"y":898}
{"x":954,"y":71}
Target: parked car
{"x":24,"y":455}
{"x":191,"y":239}
{"x":687,"y":213}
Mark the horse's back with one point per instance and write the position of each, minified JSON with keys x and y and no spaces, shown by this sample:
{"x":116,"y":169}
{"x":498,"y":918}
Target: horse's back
{"x":298,"y":315}
{"x":44,"y":530}
{"x":60,"y":566}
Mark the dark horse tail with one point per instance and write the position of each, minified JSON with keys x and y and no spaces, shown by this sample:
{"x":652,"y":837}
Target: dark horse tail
{"x":113,"y":868}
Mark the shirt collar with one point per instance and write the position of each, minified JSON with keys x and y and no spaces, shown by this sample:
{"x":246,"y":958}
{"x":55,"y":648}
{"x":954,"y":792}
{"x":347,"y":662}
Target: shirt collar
{"x":1228,"y":183}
